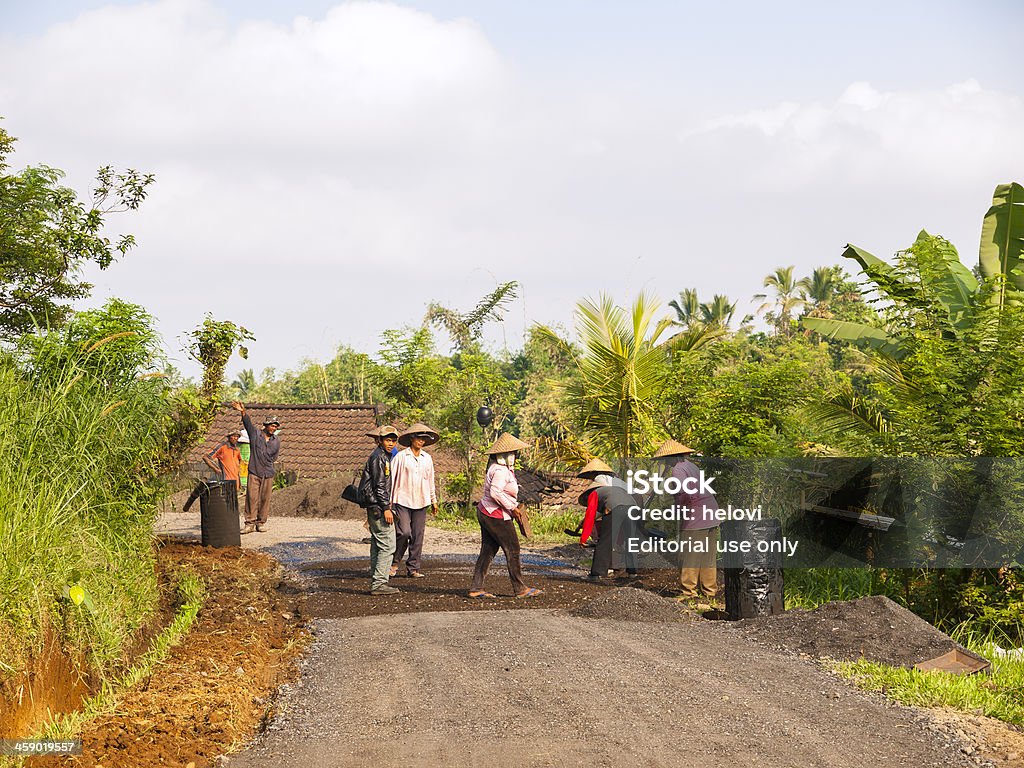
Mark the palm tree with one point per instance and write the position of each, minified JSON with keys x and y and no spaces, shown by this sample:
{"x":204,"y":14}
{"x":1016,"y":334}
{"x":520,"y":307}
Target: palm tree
{"x":687,"y":308}
{"x":821,"y":289}
{"x":245,"y":383}
{"x":702,"y":322}
{"x":786,"y":299}
{"x":718,"y":313}
{"x":621,"y":369}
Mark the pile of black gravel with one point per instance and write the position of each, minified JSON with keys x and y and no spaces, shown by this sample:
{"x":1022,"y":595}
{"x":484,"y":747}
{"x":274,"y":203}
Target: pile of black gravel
{"x":628,"y":604}
{"x":874,"y":628}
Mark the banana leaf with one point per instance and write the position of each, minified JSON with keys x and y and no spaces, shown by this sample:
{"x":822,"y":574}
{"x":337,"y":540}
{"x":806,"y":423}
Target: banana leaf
{"x":1002,"y":238}
{"x":856,"y":333}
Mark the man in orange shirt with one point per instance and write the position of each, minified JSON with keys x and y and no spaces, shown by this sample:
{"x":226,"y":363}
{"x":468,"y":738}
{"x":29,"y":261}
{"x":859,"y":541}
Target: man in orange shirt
{"x":228,"y":458}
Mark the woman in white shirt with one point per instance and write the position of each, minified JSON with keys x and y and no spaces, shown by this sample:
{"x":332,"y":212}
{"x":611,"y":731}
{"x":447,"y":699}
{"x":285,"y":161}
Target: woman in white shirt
{"x":413,"y":491}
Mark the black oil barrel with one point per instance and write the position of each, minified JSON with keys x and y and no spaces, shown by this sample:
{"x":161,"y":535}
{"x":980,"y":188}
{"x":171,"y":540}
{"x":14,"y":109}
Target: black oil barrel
{"x":753,"y":580}
{"x":219,"y":514}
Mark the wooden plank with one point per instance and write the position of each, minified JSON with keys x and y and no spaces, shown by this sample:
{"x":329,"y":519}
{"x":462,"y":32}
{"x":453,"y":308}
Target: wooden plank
{"x":867,"y":519}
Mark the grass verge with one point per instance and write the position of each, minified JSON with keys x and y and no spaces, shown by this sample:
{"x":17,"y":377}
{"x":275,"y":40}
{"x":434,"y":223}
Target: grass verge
{"x":191,"y":591}
{"x":999,"y":694}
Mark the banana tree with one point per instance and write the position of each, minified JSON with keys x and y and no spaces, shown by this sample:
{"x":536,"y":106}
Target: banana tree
{"x":945,"y":363}
{"x":929,"y":279}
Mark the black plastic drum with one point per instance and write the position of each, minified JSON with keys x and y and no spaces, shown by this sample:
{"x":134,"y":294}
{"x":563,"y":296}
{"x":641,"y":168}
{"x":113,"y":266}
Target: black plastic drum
{"x":753,"y":581}
{"x":218,"y":504}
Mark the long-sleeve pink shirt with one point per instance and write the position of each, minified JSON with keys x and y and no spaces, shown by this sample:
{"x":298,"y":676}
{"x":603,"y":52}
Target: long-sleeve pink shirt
{"x":501,"y":491}
{"x":702,"y":505}
{"x":412,"y":480}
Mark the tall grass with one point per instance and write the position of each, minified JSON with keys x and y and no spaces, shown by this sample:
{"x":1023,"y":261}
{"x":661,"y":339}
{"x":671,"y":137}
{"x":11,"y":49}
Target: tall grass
{"x":808,"y":588}
{"x":82,"y":430}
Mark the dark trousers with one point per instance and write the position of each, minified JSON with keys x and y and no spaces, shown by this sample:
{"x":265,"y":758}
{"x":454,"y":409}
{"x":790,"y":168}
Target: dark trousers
{"x":410,"y":524}
{"x":498,"y":534}
{"x":612,"y":531}
{"x":603,"y":550}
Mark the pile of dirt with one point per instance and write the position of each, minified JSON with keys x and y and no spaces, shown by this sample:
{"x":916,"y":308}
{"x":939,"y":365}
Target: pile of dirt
{"x":874,"y":628}
{"x":316,"y":498}
{"x":628,"y":604}
{"x":307,"y":498}
{"x":216,"y":687}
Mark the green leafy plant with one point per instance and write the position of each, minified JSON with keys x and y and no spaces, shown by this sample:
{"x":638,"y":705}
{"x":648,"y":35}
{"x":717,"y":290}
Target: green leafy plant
{"x":47,"y":235}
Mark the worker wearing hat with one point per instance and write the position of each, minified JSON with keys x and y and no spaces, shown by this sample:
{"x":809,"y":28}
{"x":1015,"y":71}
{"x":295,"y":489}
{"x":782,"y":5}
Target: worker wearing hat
{"x":413,"y":491}
{"x":375,"y":490}
{"x":607,"y":506}
{"x":698,"y":570}
{"x":498,"y":507}
{"x":228,"y":460}
{"x":264,"y":447}
{"x":592,"y":470}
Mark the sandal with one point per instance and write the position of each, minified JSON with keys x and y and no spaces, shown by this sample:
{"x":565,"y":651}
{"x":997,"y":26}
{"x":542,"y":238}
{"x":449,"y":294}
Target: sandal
{"x":481,"y":595}
{"x":530,"y":592}
{"x":416,"y":575}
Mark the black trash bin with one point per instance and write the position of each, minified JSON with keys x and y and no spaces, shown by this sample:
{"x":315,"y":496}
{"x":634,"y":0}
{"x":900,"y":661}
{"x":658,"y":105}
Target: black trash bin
{"x":753,"y":580}
{"x":219,"y":514}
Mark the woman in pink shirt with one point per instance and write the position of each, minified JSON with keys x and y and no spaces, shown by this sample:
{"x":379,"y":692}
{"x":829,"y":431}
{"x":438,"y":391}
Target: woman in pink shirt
{"x":494,"y":513}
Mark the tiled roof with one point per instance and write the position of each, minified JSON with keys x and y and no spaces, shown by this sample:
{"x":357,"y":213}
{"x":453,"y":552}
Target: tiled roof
{"x":319,"y":441}
{"x":316,"y":440}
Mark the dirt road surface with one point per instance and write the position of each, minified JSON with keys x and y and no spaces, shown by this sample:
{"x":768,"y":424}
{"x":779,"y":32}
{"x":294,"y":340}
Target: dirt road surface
{"x":541,"y":687}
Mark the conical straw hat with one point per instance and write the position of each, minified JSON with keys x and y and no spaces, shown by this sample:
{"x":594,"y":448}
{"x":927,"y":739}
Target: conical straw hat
{"x":594,"y":468}
{"x":419,"y":428}
{"x":672,"y":448}
{"x":506,"y":443}
{"x":594,"y":485}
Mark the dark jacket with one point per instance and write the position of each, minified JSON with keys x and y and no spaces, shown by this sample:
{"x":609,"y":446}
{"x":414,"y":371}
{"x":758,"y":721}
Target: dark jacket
{"x":262,"y":452}
{"x":375,"y":483}
{"x":612,"y":498}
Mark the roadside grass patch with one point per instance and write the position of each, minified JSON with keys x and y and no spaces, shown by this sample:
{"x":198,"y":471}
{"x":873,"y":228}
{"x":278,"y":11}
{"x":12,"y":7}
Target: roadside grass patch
{"x":999,"y":694}
{"x":809,"y":588}
{"x":191,"y":591}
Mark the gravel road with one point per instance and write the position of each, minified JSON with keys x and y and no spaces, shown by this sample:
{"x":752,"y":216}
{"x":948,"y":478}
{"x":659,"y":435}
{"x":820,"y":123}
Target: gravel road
{"x":543,"y":688}
{"x":540,"y":688}
{"x":302,"y":540}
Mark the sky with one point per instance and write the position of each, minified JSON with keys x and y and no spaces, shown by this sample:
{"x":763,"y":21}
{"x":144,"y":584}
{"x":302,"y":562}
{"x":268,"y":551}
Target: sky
{"x":324,"y":169}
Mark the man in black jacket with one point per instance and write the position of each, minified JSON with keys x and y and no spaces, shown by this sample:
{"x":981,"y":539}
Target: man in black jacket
{"x":375,"y":489}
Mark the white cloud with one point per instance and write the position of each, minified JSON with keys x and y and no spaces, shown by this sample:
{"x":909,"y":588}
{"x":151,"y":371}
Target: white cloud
{"x":380,"y":152}
{"x":867,"y":133}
